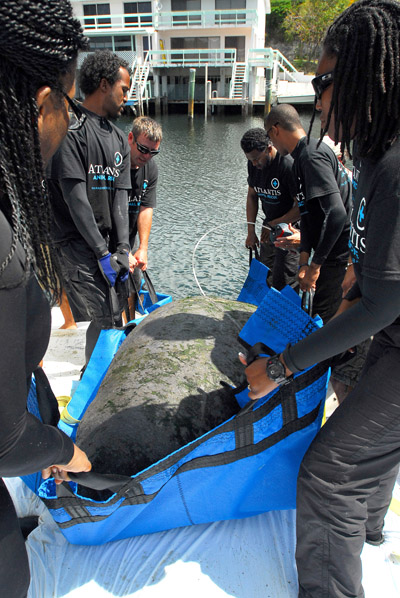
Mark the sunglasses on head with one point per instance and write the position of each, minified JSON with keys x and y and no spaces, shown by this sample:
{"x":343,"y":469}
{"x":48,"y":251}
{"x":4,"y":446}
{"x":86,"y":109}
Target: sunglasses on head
{"x":143,"y":149}
{"x":321,"y":83}
{"x":80,"y":116}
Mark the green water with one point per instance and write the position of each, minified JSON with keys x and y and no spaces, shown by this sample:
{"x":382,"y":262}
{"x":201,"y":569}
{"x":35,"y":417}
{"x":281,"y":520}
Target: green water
{"x":201,"y":193}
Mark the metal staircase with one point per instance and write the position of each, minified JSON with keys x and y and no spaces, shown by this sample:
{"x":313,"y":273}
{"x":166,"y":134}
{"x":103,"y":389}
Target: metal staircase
{"x":139,"y":81}
{"x":238,"y":80}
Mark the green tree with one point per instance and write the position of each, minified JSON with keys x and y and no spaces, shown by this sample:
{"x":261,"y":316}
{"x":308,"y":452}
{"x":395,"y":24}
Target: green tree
{"x":308,"y":21}
{"x":274,"y":21}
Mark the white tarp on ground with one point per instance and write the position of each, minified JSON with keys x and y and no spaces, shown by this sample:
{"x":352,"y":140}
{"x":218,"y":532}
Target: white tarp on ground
{"x":248,"y":558}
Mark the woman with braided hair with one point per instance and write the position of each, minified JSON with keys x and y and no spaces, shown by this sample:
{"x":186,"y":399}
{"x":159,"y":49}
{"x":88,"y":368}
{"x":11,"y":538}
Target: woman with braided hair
{"x":346,"y":479}
{"x":39,"y":43}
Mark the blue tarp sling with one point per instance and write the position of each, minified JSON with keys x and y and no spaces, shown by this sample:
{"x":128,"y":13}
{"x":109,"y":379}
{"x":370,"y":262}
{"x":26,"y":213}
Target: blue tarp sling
{"x":245,"y":466}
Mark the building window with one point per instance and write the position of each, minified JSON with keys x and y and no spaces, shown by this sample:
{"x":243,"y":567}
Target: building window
{"x":234,"y":18}
{"x":133,"y":12}
{"x":182,"y":6}
{"x":103,"y":42}
{"x":239,"y":43}
{"x":194,"y":43}
{"x":92,"y":17}
{"x":124,"y":43}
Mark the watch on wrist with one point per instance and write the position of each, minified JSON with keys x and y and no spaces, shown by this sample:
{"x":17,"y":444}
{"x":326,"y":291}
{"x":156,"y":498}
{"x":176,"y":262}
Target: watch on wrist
{"x":276,"y":371}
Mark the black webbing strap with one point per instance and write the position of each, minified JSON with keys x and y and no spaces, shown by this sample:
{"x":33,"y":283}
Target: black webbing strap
{"x":150,"y":287}
{"x":241,"y":426}
{"x":256,"y":254}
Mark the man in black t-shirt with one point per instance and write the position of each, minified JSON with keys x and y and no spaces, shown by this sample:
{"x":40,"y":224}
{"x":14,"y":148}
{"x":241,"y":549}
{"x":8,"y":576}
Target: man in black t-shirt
{"x":271,"y":183}
{"x":144,"y":140}
{"x":89,"y":181}
{"x":323,"y":196}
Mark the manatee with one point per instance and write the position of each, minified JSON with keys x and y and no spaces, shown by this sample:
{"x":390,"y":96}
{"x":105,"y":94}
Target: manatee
{"x":163,"y":388}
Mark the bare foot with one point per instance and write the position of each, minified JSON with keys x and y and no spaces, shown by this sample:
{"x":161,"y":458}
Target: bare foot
{"x":67,"y":326}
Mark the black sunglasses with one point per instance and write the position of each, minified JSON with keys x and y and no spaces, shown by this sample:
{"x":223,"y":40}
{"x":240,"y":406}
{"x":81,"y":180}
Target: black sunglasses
{"x":321,"y":83}
{"x":143,"y":149}
{"x":80,"y":116}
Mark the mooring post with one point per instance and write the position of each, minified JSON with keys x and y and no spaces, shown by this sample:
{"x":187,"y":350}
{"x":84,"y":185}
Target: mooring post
{"x":268,"y":80}
{"x":208,"y":91}
{"x":192,"y":81}
{"x":205,"y":91}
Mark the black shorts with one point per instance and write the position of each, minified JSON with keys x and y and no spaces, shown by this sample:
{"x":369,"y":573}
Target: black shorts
{"x":87,"y":291}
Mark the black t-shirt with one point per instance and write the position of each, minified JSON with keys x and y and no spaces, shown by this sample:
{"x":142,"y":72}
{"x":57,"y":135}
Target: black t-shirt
{"x":26,"y":445}
{"x":318,"y":173}
{"x":143,"y":193}
{"x":375,"y":221}
{"x":376,"y":213}
{"x":375,"y":251}
{"x":274,"y":185}
{"x":99,"y":154}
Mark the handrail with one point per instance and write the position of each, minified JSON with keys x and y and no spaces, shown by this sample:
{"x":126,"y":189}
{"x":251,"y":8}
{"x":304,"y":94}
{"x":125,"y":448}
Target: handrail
{"x":280,"y":57}
{"x":207,"y":18}
{"x":141,"y":20}
{"x":170,"y":19}
{"x":201,"y":57}
{"x":269,"y":57}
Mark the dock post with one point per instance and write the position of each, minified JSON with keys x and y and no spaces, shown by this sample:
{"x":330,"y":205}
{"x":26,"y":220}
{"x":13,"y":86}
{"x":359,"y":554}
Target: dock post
{"x":268,"y":81}
{"x":206,"y":91}
{"x":192,"y":82}
{"x":209,"y":97}
{"x":157,"y":95}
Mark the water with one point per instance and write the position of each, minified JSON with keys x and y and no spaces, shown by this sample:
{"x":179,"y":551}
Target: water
{"x":201,"y":204}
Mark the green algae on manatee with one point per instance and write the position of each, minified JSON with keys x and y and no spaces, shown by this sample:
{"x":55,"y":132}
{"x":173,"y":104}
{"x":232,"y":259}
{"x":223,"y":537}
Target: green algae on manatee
{"x":163,"y":387}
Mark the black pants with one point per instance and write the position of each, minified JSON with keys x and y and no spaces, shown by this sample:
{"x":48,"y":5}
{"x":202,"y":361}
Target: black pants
{"x":328,"y":292}
{"x":14,"y":565}
{"x":346,"y":480}
{"x":282,"y":264}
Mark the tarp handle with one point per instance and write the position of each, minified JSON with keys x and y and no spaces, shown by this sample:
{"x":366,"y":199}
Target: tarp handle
{"x":95,"y":481}
{"x":256,"y":254}
{"x":307,"y":301}
{"x":150,"y":287}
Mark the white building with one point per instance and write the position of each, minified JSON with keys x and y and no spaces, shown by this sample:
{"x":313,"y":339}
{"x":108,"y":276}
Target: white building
{"x":162,"y":39}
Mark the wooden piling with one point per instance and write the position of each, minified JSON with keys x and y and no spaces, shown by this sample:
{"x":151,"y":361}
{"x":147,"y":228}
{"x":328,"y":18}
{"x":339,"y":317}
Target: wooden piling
{"x":192,"y":83}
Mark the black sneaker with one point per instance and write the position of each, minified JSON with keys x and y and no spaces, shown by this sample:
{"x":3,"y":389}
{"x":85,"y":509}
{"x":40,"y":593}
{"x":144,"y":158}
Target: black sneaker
{"x":375,"y":539}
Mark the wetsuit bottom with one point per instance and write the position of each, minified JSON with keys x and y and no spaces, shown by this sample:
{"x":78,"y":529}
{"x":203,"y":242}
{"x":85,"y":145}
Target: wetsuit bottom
{"x":346,"y":480}
{"x":282,"y":265}
{"x":14,"y":565}
{"x":328,"y":292}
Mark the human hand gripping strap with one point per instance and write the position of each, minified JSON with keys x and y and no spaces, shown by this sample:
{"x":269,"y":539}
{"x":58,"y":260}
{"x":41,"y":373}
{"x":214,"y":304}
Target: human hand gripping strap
{"x":110,"y":268}
{"x":122,"y":258}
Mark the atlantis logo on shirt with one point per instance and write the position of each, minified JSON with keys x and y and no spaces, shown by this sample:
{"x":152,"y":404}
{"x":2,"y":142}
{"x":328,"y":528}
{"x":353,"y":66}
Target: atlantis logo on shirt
{"x":117,"y":159}
{"x":275,"y":184}
{"x":357,"y":235}
{"x":269,"y":195}
{"x":104,"y":173}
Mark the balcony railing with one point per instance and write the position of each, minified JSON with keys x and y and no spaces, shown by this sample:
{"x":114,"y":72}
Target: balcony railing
{"x":170,"y":20}
{"x":212,"y":57}
{"x":206,"y":18}
{"x":142,"y":20}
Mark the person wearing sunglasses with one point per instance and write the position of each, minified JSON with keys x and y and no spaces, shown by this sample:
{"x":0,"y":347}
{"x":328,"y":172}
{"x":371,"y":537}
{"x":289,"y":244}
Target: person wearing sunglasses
{"x":89,"y":181}
{"x":38,"y":64}
{"x":324,"y":197}
{"x":144,"y":140}
{"x":347,"y":476}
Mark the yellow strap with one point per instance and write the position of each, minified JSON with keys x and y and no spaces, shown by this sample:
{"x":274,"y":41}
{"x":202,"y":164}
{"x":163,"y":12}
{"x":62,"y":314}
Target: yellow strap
{"x":63,"y":401}
{"x":67,"y":417}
